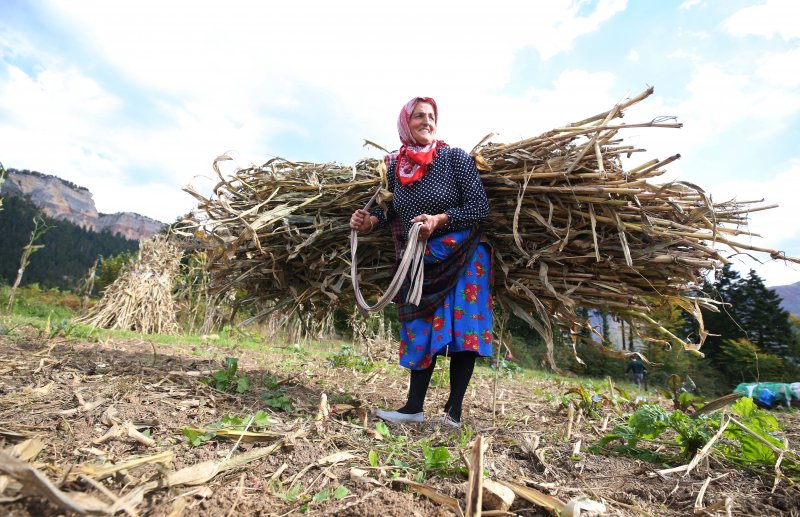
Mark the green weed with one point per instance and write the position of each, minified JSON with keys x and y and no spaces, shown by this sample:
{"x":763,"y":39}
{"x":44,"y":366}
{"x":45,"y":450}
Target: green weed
{"x":347,"y":358}
{"x":275,"y":394}
{"x":226,"y":377}
{"x":509,"y":368}
{"x":420,"y":460}
{"x":742,"y":448}
{"x":339,"y":492}
{"x":291,"y":495}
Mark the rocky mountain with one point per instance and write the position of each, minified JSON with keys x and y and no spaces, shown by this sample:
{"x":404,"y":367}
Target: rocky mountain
{"x":790,"y":295}
{"x":62,"y":199}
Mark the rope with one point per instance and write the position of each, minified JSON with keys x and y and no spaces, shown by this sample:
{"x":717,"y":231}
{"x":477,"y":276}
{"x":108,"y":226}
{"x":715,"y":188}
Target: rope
{"x":412,"y":259}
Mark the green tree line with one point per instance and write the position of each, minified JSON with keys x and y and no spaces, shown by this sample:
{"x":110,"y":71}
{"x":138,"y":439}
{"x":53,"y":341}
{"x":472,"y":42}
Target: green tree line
{"x":752,"y":337}
{"x":69,"y":250}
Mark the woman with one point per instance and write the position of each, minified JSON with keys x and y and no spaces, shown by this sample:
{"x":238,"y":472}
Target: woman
{"x":438,"y":186}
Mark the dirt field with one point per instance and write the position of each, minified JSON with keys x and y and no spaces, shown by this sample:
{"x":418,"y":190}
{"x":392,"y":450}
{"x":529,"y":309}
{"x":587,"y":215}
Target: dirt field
{"x":81,"y":400}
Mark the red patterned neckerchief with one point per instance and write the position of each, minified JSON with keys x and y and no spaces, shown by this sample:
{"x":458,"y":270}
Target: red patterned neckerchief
{"x":413,"y":159}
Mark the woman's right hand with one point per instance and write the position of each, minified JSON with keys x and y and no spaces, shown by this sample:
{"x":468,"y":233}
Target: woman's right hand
{"x":362,"y":222}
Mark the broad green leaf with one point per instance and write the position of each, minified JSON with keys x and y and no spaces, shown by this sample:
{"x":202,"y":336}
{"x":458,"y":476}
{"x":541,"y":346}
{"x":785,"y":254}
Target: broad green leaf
{"x":373,"y":458}
{"x":232,"y":421}
{"x":341,"y":492}
{"x":231,"y":365}
{"x":262,"y":419}
{"x":383,"y":429}
{"x":242,"y":384}
{"x":649,"y":421}
{"x":195,"y":437}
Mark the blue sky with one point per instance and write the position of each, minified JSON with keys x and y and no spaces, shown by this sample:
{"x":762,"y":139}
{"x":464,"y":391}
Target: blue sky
{"x":133,"y":100}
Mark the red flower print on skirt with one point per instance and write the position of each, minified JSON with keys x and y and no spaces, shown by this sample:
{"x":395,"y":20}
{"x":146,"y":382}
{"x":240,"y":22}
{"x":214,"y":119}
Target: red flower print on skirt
{"x":471,"y":341}
{"x":426,"y":362}
{"x":470,"y":293}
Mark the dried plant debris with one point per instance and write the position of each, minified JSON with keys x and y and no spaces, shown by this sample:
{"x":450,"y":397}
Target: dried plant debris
{"x":331,"y":458}
{"x":570,"y":225}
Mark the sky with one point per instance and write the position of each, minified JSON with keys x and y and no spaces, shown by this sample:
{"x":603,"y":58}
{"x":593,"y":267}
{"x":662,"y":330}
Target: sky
{"x":134,"y":99}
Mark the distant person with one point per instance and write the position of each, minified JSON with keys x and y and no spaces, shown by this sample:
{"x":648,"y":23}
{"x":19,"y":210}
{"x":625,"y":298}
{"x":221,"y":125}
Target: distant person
{"x":637,"y":369}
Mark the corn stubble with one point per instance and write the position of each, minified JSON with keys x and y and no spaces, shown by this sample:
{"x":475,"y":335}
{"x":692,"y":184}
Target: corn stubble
{"x":570,"y":228}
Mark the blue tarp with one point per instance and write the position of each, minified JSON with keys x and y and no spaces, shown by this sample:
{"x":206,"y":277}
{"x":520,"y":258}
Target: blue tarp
{"x":770,"y":393}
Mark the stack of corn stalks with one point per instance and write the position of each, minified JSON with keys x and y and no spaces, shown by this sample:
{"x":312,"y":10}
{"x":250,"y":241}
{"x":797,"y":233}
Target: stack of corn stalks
{"x":570,"y":227}
{"x":140,"y":298}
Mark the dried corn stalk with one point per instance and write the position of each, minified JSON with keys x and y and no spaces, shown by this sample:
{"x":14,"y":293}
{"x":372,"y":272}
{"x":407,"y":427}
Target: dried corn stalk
{"x":570,"y":228}
{"x":140,"y":298}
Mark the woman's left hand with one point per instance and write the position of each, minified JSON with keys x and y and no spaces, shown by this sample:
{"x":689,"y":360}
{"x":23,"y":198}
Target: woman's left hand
{"x":430,"y":223}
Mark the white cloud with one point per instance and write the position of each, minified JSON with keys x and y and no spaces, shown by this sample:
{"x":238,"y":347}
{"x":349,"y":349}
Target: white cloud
{"x":771,"y":18}
{"x":633,"y":56}
{"x":780,"y":68}
{"x":688,"y":4}
{"x":680,"y":53}
{"x":55,"y":97}
{"x":777,"y":227}
{"x":725,"y":103}
{"x":360,"y":51}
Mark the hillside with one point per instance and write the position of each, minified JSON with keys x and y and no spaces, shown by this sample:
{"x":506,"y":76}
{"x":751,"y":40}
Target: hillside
{"x":63,"y":200}
{"x":68,"y":251}
{"x":790,"y":295}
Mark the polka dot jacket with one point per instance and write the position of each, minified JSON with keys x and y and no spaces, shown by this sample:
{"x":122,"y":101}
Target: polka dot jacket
{"x":452,"y":186}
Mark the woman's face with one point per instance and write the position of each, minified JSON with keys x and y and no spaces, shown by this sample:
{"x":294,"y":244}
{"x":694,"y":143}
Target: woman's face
{"x":423,"y":123}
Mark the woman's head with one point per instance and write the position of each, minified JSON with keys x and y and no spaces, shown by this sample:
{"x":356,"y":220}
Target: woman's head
{"x":416,"y":124}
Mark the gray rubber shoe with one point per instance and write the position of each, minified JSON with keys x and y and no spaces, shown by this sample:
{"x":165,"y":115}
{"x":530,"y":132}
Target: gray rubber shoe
{"x":446,"y":420}
{"x":400,"y":418}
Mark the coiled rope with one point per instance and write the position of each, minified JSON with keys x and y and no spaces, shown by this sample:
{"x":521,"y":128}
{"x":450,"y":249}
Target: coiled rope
{"x":412,"y":259}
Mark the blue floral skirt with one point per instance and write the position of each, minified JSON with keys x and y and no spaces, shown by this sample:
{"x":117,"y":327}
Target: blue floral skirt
{"x":464,"y":320}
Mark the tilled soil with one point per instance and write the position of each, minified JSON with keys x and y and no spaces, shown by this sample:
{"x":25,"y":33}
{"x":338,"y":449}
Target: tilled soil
{"x":69,"y":394}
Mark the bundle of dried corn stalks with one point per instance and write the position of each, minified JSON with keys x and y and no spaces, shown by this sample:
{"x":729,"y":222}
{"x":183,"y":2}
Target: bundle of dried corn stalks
{"x":570,"y":228}
{"x":140,"y":298}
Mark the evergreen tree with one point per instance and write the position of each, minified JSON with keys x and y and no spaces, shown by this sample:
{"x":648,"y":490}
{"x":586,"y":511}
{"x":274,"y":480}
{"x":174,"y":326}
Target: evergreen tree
{"x":793,"y":357}
{"x":750,"y":311}
{"x":69,"y":250}
{"x":765,"y":322}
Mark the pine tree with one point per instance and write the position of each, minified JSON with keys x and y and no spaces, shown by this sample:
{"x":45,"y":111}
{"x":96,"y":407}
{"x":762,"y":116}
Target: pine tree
{"x":69,"y":249}
{"x":750,"y":311}
{"x":765,"y":322}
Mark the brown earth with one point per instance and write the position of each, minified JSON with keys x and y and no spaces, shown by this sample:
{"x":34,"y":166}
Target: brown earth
{"x":69,"y":393}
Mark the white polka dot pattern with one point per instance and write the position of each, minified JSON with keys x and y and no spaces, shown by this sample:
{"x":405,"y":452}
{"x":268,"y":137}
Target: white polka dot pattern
{"x":452,"y":186}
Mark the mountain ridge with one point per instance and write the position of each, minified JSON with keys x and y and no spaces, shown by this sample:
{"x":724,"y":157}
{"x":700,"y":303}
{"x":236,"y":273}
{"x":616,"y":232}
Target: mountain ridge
{"x":790,"y":297}
{"x":62,"y":199}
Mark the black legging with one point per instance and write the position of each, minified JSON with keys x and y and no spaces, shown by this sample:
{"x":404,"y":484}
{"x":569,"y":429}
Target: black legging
{"x":461,"y":366}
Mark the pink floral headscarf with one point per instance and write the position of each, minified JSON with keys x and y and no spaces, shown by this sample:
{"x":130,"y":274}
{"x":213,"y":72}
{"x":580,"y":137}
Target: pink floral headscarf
{"x":413,"y":159}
